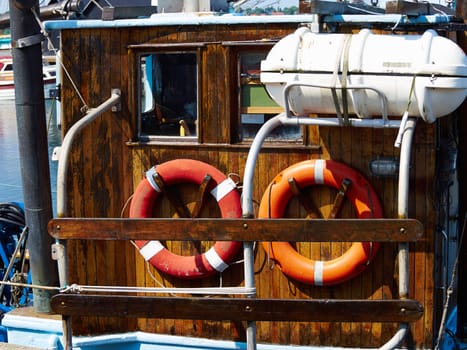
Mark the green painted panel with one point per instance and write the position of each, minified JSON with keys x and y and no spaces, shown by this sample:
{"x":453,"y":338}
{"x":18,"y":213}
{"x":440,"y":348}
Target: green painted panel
{"x":256,"y":96}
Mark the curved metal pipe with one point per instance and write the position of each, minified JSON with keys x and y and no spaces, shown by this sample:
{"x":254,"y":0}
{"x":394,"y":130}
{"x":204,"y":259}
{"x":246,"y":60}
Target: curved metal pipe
{"x":66,"y":147}
{"x":403,"y":199}
{"x":263,"y":132}
{"x":403,"y":213}
{"x":382,"y":96}
{"x":397,"y":338}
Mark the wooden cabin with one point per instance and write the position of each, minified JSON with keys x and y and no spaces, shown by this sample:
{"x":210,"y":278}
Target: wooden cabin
{"x":207,"y":104}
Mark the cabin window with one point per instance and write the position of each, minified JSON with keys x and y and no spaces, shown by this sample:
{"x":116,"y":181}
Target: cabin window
{"x":256,"y":106}
{"x":168,"y":95}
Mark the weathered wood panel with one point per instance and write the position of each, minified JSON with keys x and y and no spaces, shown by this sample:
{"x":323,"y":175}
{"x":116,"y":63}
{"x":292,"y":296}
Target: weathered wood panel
{"x":107,"y":164}
{"x":238,"y":309}
{"x":248,"y":230}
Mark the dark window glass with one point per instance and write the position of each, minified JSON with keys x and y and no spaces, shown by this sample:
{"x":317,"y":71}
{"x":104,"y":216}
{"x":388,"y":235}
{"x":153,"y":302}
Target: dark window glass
{"x":169,"y":94}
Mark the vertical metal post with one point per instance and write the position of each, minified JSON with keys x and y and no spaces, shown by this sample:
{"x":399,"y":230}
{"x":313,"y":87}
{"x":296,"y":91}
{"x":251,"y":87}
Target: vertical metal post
{"x":67,"y":333}
{"x":248,"y":256}
{"x":26,"y":41}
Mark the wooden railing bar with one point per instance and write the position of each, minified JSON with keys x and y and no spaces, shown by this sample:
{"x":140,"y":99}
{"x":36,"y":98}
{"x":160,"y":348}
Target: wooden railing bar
{"x":293,"y":230}
{"x":238,"y":309}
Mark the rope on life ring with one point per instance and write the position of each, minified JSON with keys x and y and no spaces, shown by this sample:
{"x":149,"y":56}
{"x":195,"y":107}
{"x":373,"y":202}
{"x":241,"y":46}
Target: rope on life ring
{"x":359,"y":192}
{"x":222,"y":188}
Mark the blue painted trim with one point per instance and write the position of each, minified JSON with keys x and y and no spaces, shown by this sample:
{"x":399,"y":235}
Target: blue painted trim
{"x":149,"y":341}
{"x":174,"y":19}
{"x":389,"y":18}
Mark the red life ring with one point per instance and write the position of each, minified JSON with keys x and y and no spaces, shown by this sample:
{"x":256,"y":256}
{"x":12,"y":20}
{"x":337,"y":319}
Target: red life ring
{"x":364,"y":199}
{"x":181,"y":171}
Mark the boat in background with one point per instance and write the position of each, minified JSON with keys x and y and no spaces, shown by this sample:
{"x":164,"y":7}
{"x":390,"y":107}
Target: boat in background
{"x":7,"y":85}
{"x":5,"y":44}
{"x":14,"y":257}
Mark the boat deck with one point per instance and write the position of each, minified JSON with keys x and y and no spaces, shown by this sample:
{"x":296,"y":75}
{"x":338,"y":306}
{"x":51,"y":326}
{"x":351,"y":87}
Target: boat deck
{"x":4,"y":346}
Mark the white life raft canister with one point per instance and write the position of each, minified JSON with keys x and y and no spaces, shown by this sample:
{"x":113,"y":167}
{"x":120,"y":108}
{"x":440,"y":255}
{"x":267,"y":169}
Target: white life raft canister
{"x":429,"y":70}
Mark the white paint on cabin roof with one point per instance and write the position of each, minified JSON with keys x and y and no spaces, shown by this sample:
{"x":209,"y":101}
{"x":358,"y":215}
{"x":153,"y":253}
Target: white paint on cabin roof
{"x":165,"y":19}
{"x":174,"y":19}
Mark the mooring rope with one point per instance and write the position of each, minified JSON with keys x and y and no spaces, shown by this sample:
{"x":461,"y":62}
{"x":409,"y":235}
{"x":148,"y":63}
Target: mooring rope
{"x":76,"y":288}
{"x":29,"y":285}
{"x":450,"y":290}
{"x":85,"y":107}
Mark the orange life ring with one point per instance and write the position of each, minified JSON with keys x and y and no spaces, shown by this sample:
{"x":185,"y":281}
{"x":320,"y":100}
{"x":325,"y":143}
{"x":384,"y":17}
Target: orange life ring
{"x":223,"y":189}
{"x":364,"y":199}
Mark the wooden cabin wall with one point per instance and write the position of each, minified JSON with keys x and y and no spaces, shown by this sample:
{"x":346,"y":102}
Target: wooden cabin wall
{"x":107,"y":163}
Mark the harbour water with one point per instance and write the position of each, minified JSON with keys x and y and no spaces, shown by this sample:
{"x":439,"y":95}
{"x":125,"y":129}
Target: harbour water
{"x":10,"y":175}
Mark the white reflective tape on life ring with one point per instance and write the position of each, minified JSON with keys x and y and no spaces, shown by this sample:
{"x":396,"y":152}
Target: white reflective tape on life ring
{"x":318,"y":273}
{"x":150,"y":249}
{"x":215,"y":260}
{"x":223,"y":189}
{"x":320,"y":164}
{"x":149,"y":176}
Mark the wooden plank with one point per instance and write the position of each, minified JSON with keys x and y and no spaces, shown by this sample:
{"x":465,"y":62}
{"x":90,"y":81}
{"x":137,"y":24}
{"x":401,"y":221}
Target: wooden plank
{"x":238,"y":309}
{"x":298,"y":230}
{"x":422,"y":276}
{"x":332,"y":7}
{"x":408,"y":7}
{"x":262,"y":110}
{"x":9,"y":346}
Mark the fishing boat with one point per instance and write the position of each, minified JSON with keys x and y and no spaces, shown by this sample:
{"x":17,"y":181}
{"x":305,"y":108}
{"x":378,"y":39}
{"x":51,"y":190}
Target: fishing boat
{"x":7,"y":86}
{"x":259,"y":182}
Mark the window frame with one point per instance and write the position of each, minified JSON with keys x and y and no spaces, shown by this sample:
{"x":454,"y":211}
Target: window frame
{"x":237,"y":49}
{"x":137,"y":52}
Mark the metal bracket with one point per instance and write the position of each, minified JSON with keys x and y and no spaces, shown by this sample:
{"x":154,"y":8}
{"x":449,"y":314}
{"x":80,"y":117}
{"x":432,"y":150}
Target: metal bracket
{"x":57,"y":251}
{"x":56,"y":93}
{"x":118,"y":106}
{"x":27,"y":41}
